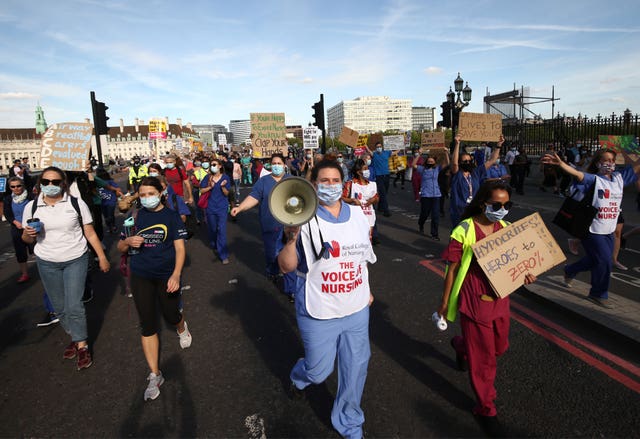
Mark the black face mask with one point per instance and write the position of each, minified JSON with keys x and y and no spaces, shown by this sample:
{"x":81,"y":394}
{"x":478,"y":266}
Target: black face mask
{"x":431,"y":165}
{"x":467,"y":167}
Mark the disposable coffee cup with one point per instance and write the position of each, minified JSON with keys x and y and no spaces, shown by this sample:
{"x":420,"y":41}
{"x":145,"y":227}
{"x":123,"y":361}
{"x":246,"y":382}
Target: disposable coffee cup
{"x":35,"y":223}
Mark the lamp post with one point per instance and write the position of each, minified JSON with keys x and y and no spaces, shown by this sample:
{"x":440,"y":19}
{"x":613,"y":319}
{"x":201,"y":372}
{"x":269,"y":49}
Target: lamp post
{"x":456,"y":102}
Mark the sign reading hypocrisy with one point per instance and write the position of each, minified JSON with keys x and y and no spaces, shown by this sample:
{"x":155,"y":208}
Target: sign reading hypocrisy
{"x":66,"y":146}
{"x":480,"y":127}
{"x":507,"y":255}
{"x":268,"y":134}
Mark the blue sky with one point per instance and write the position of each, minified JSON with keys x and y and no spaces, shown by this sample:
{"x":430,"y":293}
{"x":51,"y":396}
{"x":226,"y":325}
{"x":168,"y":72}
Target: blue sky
{"x":211,"y":61}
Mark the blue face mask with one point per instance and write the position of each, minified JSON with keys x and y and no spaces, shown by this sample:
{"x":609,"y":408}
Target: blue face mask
{"x":153,"y":174}
{"x":50,"y":190}
{"x":329,"y":194}
{"x":277,"y":170}
{"x":170,"y":165}
{"x":205,"y":165}
{"x":495,"y":216}
{"x":150,"y":202}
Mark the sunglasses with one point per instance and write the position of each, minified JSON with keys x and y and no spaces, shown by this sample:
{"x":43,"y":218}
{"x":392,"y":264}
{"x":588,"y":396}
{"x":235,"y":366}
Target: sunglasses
{"x":47,"y":182}
{"x":15,"y":187}
{"x":498,"y":205}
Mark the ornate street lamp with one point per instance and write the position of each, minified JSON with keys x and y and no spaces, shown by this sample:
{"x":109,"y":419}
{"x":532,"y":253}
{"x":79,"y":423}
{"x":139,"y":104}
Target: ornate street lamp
{"x":457,"y":101}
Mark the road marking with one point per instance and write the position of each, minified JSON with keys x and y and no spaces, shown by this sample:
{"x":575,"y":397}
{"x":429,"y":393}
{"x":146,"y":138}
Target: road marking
{"x":255,"y":425}
{"x":573,"y":350}
{"x":626,"y":278}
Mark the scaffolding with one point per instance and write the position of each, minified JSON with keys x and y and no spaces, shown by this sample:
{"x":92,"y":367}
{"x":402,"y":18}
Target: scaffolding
{"x":514,"y":105}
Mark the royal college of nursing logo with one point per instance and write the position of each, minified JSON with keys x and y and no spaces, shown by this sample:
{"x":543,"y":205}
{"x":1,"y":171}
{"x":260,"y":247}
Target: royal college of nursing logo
{"x":329,"y":250}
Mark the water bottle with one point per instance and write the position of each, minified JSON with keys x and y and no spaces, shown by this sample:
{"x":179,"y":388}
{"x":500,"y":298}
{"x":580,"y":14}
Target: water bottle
{"x":439,"y":321}
{"x":130,"y":230}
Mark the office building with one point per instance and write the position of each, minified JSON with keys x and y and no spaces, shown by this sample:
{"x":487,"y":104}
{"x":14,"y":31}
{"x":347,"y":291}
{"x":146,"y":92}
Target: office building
{"x":241,"y":131}
{"x":370,"y":114}
{"x":423,"y":118}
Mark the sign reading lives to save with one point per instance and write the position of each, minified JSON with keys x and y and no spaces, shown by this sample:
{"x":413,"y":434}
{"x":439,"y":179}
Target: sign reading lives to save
{"x":349,"y":137}
{"x":66,"y":146}
{"x":268,"y":134}
{"x":507,"y":255}
{"x":434,"y":139}
{"x":480,"y":127}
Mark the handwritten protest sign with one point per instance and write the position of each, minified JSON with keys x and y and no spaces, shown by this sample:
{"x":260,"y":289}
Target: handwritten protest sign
{"x":268,"y":134}
{"x":507,"y":255}
{"x":361,"y":145}
{"x":434,"y":139}
{"x":480,"y":127}
{"x":67,"y":146}
{"x":349,"y":137}
{"x":437,"y":153}
{"x":373,"y":139}
{"x":628,"y":144}
{"x":393,"y":143}
{"x":157,"y":129}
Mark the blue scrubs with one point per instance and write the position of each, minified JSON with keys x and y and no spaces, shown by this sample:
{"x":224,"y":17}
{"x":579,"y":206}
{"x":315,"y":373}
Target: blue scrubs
{"x":460,"y":192}
{"x":216,"y":213}
{"x":271,"y":231}
{"x":346,"y":337}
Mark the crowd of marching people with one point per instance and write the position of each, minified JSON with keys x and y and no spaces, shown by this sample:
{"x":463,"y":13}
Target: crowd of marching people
{"x":62,"y":217}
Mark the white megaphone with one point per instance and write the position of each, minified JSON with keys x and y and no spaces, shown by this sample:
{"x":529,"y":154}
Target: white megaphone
{"x":293,"y":201}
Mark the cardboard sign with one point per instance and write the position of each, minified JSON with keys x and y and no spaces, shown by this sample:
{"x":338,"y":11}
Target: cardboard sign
{"x":157,"y":129}
{"x":222,"y":139}
{"x":310,"y":137}
{"x":349,"y":137}
{"x":393,"y":143}
{"x":373,"y":139}
{"x":628,"y":144}
{"x":67,"y":146}
{"x":507,"y":255}
{"x":437,"y":153}
{"x":480,"y":127}
{"x":268,"y":134}
{"x":434,"y":139}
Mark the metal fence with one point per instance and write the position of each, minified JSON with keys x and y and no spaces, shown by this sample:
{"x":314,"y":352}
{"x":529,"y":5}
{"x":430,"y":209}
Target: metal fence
{"x":563,"y":131}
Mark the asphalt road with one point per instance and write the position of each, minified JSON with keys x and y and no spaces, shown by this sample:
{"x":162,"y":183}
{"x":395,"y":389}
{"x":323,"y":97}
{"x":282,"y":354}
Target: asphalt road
{"x":563,"y":381}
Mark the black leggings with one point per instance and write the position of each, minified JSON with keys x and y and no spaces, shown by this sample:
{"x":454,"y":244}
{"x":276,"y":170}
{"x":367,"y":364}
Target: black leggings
{"x":146,"y":294}
{"x":22,"y":249}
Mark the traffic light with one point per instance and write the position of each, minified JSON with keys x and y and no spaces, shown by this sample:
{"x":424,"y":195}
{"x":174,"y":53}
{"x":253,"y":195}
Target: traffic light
{"x":100,"y":117}
{"x":446,"y":114}
{"x":318,"y":113}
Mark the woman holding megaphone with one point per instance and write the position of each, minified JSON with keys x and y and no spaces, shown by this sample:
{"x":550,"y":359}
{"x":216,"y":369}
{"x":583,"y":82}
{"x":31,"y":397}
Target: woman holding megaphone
{"x":271,"y":229}
{"x":329,"y":255}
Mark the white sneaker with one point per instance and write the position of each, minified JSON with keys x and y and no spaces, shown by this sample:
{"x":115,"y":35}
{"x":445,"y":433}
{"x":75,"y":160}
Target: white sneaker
{"x":153,"y":389}
{"x":619,"y":266}
{"x":185,"y":337}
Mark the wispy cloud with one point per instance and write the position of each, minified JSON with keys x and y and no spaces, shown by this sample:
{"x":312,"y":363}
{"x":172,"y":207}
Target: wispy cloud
{"x":18,"y":95}
{"x":554,"y":27}
{"x":433,"y":70}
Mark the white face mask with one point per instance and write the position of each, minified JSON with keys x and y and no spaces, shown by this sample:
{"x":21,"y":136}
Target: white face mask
{"x":366,"y":173}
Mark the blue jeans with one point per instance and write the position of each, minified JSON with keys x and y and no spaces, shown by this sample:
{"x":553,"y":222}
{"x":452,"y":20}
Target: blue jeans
{"x":64,"y":284}
{"x":346,"y":338}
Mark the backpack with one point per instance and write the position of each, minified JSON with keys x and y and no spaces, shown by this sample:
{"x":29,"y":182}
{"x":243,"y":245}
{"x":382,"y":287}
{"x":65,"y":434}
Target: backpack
{"x":74,"y":203}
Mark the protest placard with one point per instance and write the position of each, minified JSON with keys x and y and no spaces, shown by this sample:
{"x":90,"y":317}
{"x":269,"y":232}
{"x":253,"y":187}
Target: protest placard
{"x":310,"y":137}
{"x":349,"y":137}
{"x":67,"y":146}
{"x":157,"y":129}
{"x":222,"y":139}
{"x":628,"y":144}
{"x":507,"y":255}
{"x":437,"y":153}
{"x":373,"y":139}
{"x":393,"y":143}
{"x":268,"y":134}
{"x":434,"y":139}
{"x":480,"y":127}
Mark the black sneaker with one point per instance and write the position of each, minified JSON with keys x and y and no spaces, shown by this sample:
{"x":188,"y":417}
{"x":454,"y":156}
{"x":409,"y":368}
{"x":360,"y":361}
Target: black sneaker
{"x":491,"y":426}
{"x":435,"y":237}
{"x":49,"y":319}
